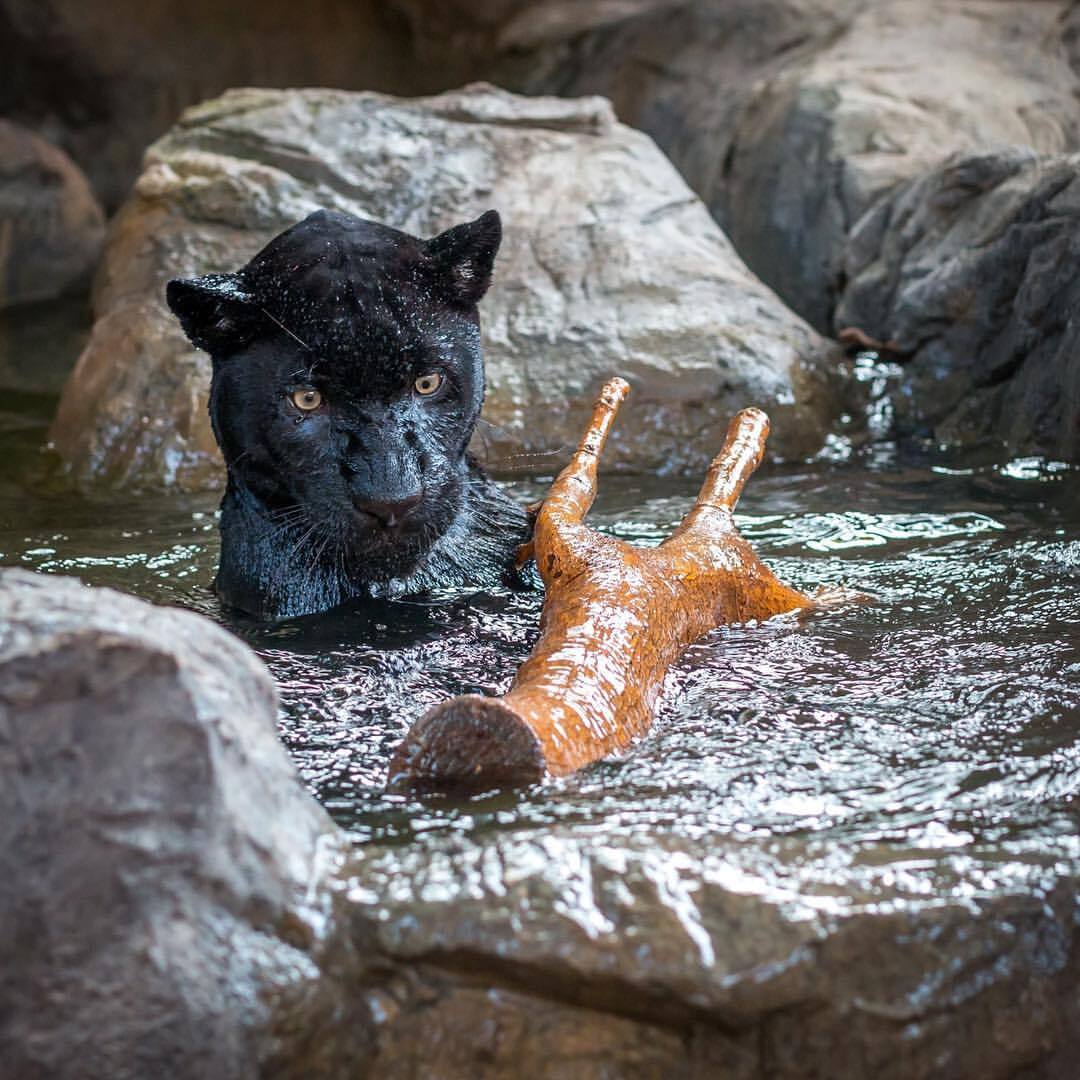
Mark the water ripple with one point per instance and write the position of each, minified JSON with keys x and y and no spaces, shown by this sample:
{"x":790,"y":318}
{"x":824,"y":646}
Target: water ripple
{"x":927,"y":739}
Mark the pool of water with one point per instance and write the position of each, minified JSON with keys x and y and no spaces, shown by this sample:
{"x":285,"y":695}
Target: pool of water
{"x":934,"y":726}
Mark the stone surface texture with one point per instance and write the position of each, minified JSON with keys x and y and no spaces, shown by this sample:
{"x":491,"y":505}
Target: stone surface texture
{"x":969,"y":273}
{"x":568,"y":955}
{"x":158,"y":857}
{"x":790,"y":117}
{"x":51,"y":226}
{"x":609,"y":265}
{"x":172,"y":903}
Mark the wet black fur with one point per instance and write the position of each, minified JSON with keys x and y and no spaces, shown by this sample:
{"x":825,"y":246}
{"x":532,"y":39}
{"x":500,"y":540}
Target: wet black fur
{"x":357,"y":311}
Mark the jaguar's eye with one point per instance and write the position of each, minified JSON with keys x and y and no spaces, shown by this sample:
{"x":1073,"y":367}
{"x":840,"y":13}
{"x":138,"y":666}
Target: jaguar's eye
{"x":307,"y":400}
{"x":427,"y":384}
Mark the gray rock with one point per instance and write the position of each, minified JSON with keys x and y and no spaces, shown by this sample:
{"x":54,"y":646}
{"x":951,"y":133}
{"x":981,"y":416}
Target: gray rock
{"x":590,"y":956}
{"x":790,"y":117}
{"x":172,"y":903}
{"x":970,"y":273}
{"x":906,"y":84}
{"x":51,"y":227}
{"x":159,"y":861}
{"x":609,"y":265}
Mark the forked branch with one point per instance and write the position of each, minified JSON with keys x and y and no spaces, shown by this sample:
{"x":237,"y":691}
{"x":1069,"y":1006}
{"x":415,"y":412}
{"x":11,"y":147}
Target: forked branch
{"x":615,"y":618}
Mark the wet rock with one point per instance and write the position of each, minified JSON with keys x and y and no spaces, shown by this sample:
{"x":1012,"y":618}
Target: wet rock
{"x":790,"y":117}
{"x":594,"y":957}
{"x":969,"y":272}
{"x":51,"y":226}
{"x":159,"y":861}
{"x":609,"y":264}
{"x":105,"y":80}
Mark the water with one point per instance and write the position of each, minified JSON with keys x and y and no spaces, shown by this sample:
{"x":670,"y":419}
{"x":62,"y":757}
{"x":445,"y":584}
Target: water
{"x":925,"y":742}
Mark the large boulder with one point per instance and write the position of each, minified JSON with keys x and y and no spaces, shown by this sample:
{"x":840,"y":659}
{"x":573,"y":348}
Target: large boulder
{"x":173,"y":903}
{"x":51,"y":226}
{"x":906,"y":84}
{"x":969,"y":274}
{"x":609,"y":265}
{"x":160,"y":863}
{"x":790,"y":117}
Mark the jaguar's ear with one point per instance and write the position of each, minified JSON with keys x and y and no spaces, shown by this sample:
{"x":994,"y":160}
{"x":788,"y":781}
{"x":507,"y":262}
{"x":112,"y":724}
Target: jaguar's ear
{"x":464,"y":255}
{"x":217,"y":314}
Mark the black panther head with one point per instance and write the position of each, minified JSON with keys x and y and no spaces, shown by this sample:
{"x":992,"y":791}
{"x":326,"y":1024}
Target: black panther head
{"x":347,"y":381}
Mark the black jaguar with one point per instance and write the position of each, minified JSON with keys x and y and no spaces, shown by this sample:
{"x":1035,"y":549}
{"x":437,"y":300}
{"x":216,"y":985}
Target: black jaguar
{"x":347,"y":381}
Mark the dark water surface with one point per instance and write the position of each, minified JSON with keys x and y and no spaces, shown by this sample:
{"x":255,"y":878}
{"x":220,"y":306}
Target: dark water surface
{"x":923,"y":744}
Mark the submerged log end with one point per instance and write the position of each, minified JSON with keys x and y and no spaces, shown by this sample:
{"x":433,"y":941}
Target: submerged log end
{"x":466,"y":745}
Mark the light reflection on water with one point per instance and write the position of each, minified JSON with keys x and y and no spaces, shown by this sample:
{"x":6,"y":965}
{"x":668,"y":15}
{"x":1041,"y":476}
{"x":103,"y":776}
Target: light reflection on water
{"x":932,"y":730}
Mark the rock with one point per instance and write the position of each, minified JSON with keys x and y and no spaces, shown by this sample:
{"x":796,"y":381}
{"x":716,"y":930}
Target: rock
{"x":104,"y":81}
{"x":158,"y":856}
{"x":609,"y":265}
{"x":790,"y":117}
{"x":567,"y":952}
{"x":909,"y":82}
{"x":172,"y":903}
{"x":51,"y":227}
{"x":970,"y":273}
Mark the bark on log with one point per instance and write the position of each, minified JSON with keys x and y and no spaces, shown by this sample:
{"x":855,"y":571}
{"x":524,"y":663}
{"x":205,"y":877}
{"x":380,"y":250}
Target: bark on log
{"x":615,"y":618}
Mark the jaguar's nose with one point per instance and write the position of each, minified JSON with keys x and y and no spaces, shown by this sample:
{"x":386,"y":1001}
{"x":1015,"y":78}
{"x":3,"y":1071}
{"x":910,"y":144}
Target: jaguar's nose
{"x":390,"y":512}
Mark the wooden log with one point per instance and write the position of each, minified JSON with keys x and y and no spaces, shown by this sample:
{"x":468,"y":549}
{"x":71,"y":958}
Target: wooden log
{"x":615,"y":618}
